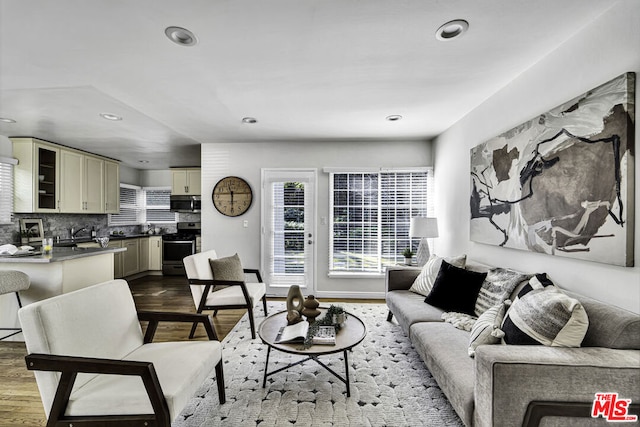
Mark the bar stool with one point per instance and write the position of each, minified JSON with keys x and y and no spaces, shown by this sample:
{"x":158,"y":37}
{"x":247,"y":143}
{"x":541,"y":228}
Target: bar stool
{"x":13,"y":281}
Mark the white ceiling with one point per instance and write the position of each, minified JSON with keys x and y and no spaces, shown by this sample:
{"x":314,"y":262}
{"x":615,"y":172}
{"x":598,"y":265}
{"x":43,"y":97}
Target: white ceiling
{"x":308,"y":70}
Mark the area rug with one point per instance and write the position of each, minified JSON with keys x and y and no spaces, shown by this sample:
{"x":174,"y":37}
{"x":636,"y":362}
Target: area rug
{"x":390,"y":385}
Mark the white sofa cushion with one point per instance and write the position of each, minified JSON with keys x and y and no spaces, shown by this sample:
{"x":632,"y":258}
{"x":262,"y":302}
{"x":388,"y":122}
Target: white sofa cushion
{"x":181,"y":368}
{"x":233,"y":295}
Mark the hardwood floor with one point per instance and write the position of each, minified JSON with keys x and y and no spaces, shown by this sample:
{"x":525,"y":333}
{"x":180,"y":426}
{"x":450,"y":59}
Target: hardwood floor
{"x":20,"y":402}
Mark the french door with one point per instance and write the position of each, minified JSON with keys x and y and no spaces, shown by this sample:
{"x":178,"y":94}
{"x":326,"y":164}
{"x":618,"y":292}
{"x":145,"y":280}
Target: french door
{"x":288,"y":229}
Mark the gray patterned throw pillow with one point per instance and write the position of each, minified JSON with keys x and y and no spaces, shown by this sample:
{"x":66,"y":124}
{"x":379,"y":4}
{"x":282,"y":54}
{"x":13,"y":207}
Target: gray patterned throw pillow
{"x":497,"y":287}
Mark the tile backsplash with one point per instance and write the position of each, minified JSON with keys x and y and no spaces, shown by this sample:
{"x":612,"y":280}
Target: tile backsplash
{"x":60,"y":224}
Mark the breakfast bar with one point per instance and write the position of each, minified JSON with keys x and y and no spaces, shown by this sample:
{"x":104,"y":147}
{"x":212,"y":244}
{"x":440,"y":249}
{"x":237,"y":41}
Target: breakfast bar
{"x":64,"y":270}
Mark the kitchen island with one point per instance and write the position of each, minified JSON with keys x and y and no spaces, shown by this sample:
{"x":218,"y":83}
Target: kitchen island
{"x":66,"y":269}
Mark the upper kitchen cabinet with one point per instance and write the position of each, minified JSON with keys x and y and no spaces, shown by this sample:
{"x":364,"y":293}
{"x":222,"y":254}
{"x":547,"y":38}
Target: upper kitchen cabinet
{"x":93,"y":185}
{"x":186,"y":182}
{"x":36,"y":176}
{"x":81,"y":183}
{"x":51,"y":178}
{"x":111,"y":187}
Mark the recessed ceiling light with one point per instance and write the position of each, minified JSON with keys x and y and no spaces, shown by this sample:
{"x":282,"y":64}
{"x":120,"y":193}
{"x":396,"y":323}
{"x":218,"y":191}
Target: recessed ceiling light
{"x":109,"y":116}
{"x":249,"y":120}
{"x":394,"y":117}
{"x":452,"y":30}
{"x":181,"y":36}
{"x":6,"y":120}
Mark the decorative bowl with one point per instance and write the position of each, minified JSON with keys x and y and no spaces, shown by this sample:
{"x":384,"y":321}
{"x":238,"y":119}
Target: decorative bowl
{"x":104,"y":241}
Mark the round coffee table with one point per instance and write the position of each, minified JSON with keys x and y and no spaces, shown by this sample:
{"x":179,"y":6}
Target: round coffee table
{"x":350,"y":335}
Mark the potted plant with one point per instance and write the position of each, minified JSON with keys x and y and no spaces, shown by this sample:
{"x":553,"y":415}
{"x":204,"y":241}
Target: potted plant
{"x":408,"y":254}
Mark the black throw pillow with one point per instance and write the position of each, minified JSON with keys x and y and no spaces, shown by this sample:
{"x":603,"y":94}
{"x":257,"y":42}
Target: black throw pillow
{"x":456,"y":289}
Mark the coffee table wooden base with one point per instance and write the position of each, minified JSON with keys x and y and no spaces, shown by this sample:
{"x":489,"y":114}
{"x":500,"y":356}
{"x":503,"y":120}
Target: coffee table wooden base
{"x":345,"y":380}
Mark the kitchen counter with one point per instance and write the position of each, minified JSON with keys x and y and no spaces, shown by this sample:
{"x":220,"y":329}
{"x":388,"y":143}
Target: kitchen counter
{"x":64,"y":270}
{"x":60,"y":254}
{"x":83,"y":239}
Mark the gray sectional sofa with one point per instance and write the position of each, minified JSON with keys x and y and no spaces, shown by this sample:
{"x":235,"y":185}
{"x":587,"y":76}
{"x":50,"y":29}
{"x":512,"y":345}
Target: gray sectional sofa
{"x":513,"y":385}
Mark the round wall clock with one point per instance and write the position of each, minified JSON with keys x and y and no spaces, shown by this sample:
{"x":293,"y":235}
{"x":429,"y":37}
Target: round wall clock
{"x":232,"y":196}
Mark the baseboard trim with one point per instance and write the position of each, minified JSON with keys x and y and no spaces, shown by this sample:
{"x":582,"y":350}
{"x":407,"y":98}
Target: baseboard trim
{"x":350,"y":295}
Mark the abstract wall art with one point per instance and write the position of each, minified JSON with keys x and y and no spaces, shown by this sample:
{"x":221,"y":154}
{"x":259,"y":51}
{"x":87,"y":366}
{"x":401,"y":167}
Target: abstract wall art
{"x":562,"y":183}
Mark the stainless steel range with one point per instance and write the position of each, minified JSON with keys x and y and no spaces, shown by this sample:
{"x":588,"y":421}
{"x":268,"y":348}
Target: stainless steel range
{"x":176,"y":246}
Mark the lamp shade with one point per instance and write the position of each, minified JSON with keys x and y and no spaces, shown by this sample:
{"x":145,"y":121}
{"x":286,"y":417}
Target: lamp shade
{"x":423,"y":227}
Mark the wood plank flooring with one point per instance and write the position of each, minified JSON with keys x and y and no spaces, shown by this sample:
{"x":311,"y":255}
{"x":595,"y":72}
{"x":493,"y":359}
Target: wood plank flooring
{"x":20,"y":402}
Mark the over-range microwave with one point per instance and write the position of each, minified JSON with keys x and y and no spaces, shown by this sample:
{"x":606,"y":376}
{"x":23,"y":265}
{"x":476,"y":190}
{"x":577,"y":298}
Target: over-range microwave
{"x":185,"y":203}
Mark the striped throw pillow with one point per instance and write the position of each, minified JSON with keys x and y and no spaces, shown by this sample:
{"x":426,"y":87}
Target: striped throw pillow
{"x":424,"y":282}
{"x":486,"y":330}
{"x":544,"y":315}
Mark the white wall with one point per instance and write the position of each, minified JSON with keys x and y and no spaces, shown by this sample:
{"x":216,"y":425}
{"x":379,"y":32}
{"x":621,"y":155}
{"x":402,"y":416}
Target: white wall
{"x":602,"y":51}
{"x":155,"y":178}
{"x":6,"y":147}
{"x":129,"y":175}
{"x":228,"y":236}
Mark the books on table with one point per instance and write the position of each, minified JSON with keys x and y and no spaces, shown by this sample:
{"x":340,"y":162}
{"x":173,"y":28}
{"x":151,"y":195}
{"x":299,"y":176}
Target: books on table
{"x":297,"y":333}
{"x":293,"y":333}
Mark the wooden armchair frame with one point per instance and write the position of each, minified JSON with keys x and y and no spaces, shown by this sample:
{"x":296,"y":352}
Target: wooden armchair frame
{"x":70,"y":366}
{"x":210,"y":284}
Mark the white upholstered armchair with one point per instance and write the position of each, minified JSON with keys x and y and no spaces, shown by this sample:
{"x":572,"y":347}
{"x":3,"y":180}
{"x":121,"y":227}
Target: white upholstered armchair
{"x":94,"y":366}
{"x":210,"y":293}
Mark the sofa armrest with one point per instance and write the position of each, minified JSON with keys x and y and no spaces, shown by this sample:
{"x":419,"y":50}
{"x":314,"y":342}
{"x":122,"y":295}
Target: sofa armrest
{"x":70,"y":366}
{"x":400,"y":278}
{"x":155,"y":317}
{"x":509,"y":378}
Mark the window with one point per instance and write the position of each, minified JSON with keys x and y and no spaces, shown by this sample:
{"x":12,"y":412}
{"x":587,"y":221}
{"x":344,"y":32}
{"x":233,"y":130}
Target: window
{"x":6,"y":190}
{"x":370,"y":217}
{"x":140,"y":205}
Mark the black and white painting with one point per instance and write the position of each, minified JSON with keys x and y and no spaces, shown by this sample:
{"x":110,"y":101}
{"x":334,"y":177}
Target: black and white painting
{"x":562,"y":183}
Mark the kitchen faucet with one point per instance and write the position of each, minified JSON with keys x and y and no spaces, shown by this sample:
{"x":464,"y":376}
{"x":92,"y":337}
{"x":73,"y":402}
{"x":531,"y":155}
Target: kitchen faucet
{"x":75,"y":232}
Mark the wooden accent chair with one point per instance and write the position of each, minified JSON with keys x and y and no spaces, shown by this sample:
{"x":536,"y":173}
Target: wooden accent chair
{"x":207,"y":294}
{"x":74,"y":339}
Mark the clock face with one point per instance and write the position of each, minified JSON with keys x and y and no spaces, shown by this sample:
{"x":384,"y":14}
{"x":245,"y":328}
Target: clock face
{"x":232,"y":196}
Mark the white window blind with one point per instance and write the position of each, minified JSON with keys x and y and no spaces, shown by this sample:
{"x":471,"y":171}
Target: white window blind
{"x":370,"y":217}
{"x":6,"y":192}
{"x":157,"y":207}
{"x":139,"y":205}
{"x":130,"y":206}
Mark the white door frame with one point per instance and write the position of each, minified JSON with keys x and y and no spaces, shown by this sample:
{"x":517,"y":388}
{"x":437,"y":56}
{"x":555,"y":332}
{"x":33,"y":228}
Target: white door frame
{"x":309,"y":175}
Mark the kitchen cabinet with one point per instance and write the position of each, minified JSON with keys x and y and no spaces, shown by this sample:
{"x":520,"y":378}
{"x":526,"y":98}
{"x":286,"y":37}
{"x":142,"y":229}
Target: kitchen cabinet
{"x":81,"y":183}
{"x":111,"y":187}
{"x":71,"y":165}
{"x":155,"y":253}
{"x":36,"y":176}
{"x":117,"y":258}
{"x":50,"y":178}
{"x":131,"y":258}
{"x":144,"y":253}
{"x":150,"y":253}
{"x":93,"y":185}
{"x":186,"y":182}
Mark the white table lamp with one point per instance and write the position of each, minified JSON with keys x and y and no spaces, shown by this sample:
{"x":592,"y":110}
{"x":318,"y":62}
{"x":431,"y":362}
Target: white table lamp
{"x":424,"y":228}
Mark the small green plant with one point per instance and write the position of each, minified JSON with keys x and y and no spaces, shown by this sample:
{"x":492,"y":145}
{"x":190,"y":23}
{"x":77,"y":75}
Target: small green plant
{"x":407,"y":253}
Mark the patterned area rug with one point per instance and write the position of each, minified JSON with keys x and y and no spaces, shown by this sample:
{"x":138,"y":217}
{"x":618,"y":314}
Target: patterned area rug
{"x":390,"y":385}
